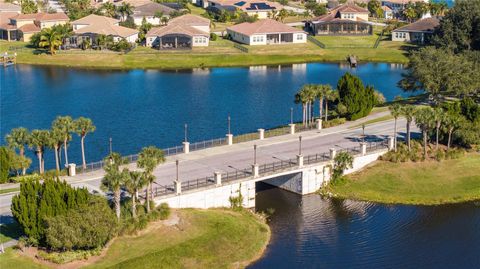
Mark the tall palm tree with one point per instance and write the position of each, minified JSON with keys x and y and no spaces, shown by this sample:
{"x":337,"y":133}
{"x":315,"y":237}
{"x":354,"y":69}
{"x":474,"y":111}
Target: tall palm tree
{"x":341,"y":162}
{"x":330,"y":95}
{"x":452,"y":122}
{"x":114,"y":179}
{"x":282,"y":15}
{"x":395,"y":111}
{"x":135,"y":180}
{"x":148,"y":159}
{"x":108,"y":9}
{"x":64,"y":125}
{"x":83,"y":126}
{"x":38,"y":140}
{"x":55,"y":141}
{"x":165,"y":20}
{"x":125,"y":10}
{"x":438,"y":118}
{"x":18,"y":138}
{"x":51,"y":39}
{"x":408,"y":111}
{"x":425,"y":122}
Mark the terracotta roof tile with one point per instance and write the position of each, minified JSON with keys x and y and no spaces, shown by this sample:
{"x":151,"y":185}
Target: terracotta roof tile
{"x":60,"y":16}
{"x":191,"y":20}
{"x":423,"y":25}
{"x":151,"y":8}
{"x":263,"y":27}
{"x":29,"y":28}
{"x":176,"y":29}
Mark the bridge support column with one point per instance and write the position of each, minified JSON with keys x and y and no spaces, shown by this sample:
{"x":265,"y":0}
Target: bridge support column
{"x":178,"y":187}
{"x":255,"y":170}
{"x":292,"y":128}
{"x":391,"y":143}
{"x":261,"y":134}
{"x":186,"y":147}
{"x":218,"y":178}
{"x":363,"y":148}
{"x":319,"y":124}
{"x":333,"y":153}
{"x":229,"y":139}
{"x":300,"y":160}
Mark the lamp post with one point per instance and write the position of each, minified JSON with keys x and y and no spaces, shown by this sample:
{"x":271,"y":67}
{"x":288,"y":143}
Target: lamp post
{"x":300,"y":145}
{"x":110,"y":142}
{"x":254,"y":154}
{"x":228,"y":122}
{"x":176,"y":164}
{"x":186,"y":128}
{"x":363,"y":132}
{"x":291,"y":115}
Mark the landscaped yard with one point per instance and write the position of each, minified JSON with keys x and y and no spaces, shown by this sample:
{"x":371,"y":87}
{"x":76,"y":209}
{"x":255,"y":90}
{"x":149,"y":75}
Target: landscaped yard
{"x":430,"y":182}
{"x":201,"y":239}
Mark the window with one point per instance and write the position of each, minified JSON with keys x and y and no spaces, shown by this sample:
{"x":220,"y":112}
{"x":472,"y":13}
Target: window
{"x":299,"y":37}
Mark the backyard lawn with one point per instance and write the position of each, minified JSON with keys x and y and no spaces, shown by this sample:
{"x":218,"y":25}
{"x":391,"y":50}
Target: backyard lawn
{"x":427,"y":183}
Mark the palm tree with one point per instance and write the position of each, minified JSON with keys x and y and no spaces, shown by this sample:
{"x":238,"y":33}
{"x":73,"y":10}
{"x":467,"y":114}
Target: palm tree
{"x":38,"y":140}
{"x":408,"y":111}
{"x":321,"y":91}
{"x":101,"y":41}
{"x":114,"y":179}
{"x":50,"y":39}
{"x":148,"y":159}
{"x":409,"y":12}
{"x":330,"y":95}
{"x":125,"y":10}
{"x":64,"y":125}
{"x":108,"y":9}
{"x":425,"y":122}
{"x":159,"y":14}
{"x":395,"y":111}
{"x":165,"y":20}
{"x":438,"y":118}
{"x":55,"y":141}
{"x":83,"y":126}
{"x":282,"y":15}
{"x":341,"y":162}
{"x":18,"y":138}
{"x":452,"y":122}
{"x":135,"y":180}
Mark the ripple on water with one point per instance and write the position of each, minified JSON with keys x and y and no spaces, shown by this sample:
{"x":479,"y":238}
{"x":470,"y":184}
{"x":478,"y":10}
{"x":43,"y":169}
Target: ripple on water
{"x":311,"y":232}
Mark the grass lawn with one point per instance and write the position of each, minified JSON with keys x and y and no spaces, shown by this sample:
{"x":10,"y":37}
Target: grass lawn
{"x":2,"y":191}
{"x":427,"y":183}
{"x":202,"y":239}
{"x":12,"y":259}
{"x":368,"y":122}
{"x":10,"y":231}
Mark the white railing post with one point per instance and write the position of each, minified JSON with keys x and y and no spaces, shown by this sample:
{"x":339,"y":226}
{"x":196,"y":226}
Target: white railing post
{"x":255,"y":170}
{"x":218,"y":178}
{"x":261,"y":134}
{"x":391,"y":143}
{"x":333,"y":153}
{"x":229,"y":139}
{"x":300,"y":160}
{"x":186,"y":147}
{"x":363,"y":148}
{"x":178,"y":187}
{"x":292,"y":128}
{"x":319,"y":124}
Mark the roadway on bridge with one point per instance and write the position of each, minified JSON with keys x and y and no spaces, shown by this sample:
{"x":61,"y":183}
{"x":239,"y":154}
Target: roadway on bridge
{"x":224,"y":159}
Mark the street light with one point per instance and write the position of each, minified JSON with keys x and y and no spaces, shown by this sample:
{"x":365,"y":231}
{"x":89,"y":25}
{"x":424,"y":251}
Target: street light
{"x":300,"y":145}
{"x":254,"y":154}
{"x":228,"y":119}
{"x":186,"y":127}
{"x":110,"y":142}
{"x":176,"y":163}
{"x":363,"y":132}
{"x":291,"y":115}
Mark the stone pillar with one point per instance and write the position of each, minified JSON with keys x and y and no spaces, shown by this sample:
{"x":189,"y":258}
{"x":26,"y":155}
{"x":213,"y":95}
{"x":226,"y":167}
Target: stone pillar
{"x":333,"y":153}
{"x":255,"y":170}
{"x":300,"y":160}
{"x":292,"y":128}
{"x":326,"y":174}
{"x":186,"y":147}
{"x":72,"y":171}
{"x":391,"y":143}
{"x":229,"y":139}
{"x":218,"y":178}
{"x":178,"y":187}
{"x":319,"y":124}
{"x":363,"y":148}
{"x":261,"y":134}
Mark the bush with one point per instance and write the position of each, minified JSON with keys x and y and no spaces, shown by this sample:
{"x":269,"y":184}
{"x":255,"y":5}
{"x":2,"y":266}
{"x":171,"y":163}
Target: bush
{"x":333,"y":122}
{"x":68,"y":256}
{"x":213,"y":36}
{"x":26,"y":178}
{"x":5,"y":163}
{"x":358,"y":99}
{"x":88,"y":227}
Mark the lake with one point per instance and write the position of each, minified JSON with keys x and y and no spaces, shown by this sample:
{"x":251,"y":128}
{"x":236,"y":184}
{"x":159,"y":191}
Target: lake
{"x":138,"y":108}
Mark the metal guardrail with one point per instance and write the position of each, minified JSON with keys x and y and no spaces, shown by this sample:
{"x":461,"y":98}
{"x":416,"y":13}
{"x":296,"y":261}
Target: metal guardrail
{"x":208,"y":144}
{"x":316,"y":42}
{"x":269,"y":168}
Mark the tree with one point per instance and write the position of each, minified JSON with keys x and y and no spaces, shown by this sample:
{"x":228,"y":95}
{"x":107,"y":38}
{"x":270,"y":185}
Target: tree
{"x":452,"y":123}
{"x":373,"y":7}
{"x":28,"y":7}
{"x":17,"y":139}
{"x":441,"y":73}
{"x":63,"y":30}
{"x":158,"y":14}
{"x":82,"y":126}
{"x":330,"y":95}
{"x":358,"y":99}
{"x":148,"y":159}
{"x":50,"y":39}
{"x":114,"y":178}
{"x":164,"y":20}
{"x":108,"y":9}
{"x":409,"y":12}
{"x":341,"y":162}
{"x":425,"y":122}
{"x":144,"y":28}
{"x":438,"y":118}
{"x":125,"y":10}
{"x":282,"y":15}
{"x":408,"y":111}
{"x":306,"y":96}
{"x":135,"y":180}
{"x":437,"y":9}
{"x":55,"y":141}
{"x":64,"y":125}
{"x":395,"y":111}
{"x":5,"y":164}
{"x":39,"y":139}
{"x":459,"y":30}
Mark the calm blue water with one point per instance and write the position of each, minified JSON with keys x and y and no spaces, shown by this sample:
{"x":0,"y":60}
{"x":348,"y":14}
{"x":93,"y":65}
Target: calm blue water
{"x":139,"y":108}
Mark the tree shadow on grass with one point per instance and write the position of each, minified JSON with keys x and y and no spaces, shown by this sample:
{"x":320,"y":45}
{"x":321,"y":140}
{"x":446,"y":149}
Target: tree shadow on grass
{"x":9,"y":228}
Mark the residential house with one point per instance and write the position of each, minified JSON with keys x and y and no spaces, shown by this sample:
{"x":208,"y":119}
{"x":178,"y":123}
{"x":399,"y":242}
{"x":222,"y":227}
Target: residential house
{"x":397,"y":6}
{"x":259,"y":8}
{"x":387,"y":12}
{"x":186,"y":31}
{"x":22,"y":26}
{"x":347,"y":19}
{"x":89,"y":27}
{"x":149,"y":12}
{"x":417,"y":32}
{"x":9,"y":8}
{"x":266,"y":32}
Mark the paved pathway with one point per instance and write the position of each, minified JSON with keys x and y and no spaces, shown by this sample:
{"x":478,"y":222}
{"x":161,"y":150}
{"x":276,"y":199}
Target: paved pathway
{"x":204,"y":163}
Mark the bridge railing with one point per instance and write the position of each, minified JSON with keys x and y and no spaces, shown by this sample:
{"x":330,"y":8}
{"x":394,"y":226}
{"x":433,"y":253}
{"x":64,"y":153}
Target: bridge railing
{"x":237,"y":174}
{"x":276,"y":166}
{"x":207,"y":144}
{"x":198,"y":183}
{"x":164,"y":190}
{"x":316,"y":158}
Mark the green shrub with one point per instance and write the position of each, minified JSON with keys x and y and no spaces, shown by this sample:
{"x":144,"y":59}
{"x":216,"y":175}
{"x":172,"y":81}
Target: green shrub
{"x":213,"y":36}
{"x":358,"y":99}
{"x":164,"y":211}
{"x":333,"y":122}
{"x":26,"y":178}
{"x":68,"y":256}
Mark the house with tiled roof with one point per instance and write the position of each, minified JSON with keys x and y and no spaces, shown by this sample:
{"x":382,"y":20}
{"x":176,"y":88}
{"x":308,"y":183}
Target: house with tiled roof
{"x":259,"y":8}
{"x":185,"y":32}
{"x":91,"y":26}
{"x":417,"y":32}
{"x":347,"y":19}
{"x":266,"y":32}
{"x":22,"y":26}
{"x":397,"y":6}
{"x":9,"y":7}
{"x":149,"y":12}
